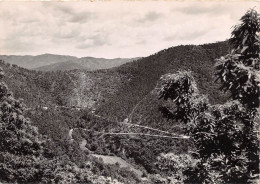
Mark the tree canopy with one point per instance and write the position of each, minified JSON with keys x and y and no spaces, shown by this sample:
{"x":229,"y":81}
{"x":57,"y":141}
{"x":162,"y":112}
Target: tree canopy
{"x":20,"y":143}
{"x":224,"y":134}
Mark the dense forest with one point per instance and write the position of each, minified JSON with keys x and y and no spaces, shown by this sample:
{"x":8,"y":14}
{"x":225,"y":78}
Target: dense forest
{"x":152,"y":120}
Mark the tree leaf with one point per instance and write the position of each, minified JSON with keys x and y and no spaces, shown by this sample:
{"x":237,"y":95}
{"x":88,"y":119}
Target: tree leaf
{"x":244,"y":49}
{"x":244,"y":40}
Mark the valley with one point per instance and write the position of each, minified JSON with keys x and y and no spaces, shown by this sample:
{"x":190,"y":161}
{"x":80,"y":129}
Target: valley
{"x":115,"y":111}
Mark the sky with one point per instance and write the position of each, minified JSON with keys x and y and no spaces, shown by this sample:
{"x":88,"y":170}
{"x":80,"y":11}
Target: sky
{"x":112,"y":29}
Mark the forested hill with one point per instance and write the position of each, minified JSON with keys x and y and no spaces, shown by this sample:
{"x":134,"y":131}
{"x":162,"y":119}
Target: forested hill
{"x":52,"y":62}
{"x":62,"y":88}
{"x":115,"y":92}
{"x":86,"y":63}
{"x":31,"y":62}
{"x":146,"y":72}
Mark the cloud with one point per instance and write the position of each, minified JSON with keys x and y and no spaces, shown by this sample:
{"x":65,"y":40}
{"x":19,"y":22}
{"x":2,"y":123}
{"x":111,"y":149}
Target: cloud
{"x":150,"y":17}
{"x":63,"y":9}
{"x":65,"y":33}
{"x":81,"y":18}
{"x":207,"y":9}
{"x":70,"y":13}
{"x":93,"y":41}
{"x":18,"y":45}
{"x":116,"y":29}
{"x":186,"y":35}
{"x":141,"y":42}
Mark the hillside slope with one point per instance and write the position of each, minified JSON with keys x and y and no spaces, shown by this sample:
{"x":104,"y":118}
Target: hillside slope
{"x":86,"y":63}
{"x":146,"y":72}
{"x":31,"y":62}
{"x":70,"y":88}
{"x":51,"y":62}
{"x":63,"y":66}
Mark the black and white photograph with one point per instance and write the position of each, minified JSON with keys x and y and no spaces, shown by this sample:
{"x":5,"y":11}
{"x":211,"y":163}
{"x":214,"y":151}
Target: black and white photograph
{"x":129,"y":92}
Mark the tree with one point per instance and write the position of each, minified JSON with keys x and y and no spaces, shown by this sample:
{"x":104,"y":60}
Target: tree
{"x":239,"y":73}
{"x":237,"y":70}
{"x":21,"y":146}
{"x":224,"y":135}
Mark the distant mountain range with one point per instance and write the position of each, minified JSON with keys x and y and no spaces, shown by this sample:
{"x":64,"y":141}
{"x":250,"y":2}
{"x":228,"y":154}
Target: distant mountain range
{"x":86,"y":63}
{"x":51,"y":62}
{"x":32,"y":62}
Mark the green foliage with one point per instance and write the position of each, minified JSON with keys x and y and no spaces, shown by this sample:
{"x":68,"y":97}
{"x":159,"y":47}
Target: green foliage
{"x":238,"y":70}
{"x":144,"y":73}
{"x":140,"y":151}
{"x":125,"y":175}
{"x":62,"y":170}
{"x":174,"y":165}
{"x":28,"y":157}
{"x":20,"y":143}
{"x":182,"y":90}
{"x":244,"y":36}
{"x":220,"y":134}
{"x":224,"y":135}
{"x":240,"y":79}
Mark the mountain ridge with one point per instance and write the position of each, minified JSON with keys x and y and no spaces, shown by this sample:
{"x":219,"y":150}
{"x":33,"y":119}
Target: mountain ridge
{"x":86,"y":63}
{"x":53,"y":62}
